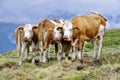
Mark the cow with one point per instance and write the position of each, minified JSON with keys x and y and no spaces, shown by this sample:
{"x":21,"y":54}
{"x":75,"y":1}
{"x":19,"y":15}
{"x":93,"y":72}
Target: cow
{"x":46,"y":36}
{"x":25,"y":36}
{"x":85,"y":28}
{"x":66,"y":45}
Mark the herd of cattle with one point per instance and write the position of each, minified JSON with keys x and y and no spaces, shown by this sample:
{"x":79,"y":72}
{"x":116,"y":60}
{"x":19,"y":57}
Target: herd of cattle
{"x":65,"y":35}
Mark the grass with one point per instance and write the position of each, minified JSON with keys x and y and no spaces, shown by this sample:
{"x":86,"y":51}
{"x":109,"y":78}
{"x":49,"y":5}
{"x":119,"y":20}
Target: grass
{"x":106,"y":68}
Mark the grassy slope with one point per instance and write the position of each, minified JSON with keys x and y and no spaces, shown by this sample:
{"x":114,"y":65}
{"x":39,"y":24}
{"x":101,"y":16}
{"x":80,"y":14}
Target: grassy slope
{"x":106,"y":68}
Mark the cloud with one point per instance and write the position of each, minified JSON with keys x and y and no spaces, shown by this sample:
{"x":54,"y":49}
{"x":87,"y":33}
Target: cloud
{"x":33,"y":11}
{"x":11,"y":38}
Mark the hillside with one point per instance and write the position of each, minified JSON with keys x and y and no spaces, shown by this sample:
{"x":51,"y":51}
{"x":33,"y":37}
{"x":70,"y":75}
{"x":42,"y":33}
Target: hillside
{"x":106,"y":68}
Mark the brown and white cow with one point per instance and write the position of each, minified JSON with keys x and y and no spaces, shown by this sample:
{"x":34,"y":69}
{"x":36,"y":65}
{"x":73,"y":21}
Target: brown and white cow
{"x":47,"y":34}
{"x":66,"y":45}
{"x":85,"y":28}
{"x":25,"y":36}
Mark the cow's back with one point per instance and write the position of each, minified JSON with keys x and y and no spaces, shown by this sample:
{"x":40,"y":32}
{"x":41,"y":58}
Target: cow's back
{"x":88,"y":25}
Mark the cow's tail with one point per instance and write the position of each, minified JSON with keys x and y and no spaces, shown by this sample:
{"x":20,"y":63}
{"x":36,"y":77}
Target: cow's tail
{"x":18,"y":38}
{"x":103,"y":19}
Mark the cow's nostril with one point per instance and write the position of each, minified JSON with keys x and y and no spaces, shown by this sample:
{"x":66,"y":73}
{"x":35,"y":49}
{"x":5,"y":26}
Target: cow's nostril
{"x":25,"y":39}
{"x":65,"y":37}
{"x":57,"y":39}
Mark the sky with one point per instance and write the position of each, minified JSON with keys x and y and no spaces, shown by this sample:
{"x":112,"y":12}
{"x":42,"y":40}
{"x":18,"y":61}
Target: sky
{"x":33,"y":11}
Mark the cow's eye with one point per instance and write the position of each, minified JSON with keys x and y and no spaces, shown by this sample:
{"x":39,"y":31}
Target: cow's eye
{"x":59,"y":29}
{"x":70,"y":29}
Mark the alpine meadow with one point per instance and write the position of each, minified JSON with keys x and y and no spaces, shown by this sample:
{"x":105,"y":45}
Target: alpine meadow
{"x":107,"y":67}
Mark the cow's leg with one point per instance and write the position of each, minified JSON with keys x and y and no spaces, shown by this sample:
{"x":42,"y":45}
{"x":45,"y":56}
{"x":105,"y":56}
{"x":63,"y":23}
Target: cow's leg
{"x":27,"y":52}
{"x":100,"y":39}
{"x":19,"y":44}
{"x":40,"y":50}
{"x":80,"y":46}
{"x":45,"y":51}
{"x":44,"y":60}
{"x":74,"y":43}
{"x":59,"y":52}
{"x":19,"y":50}
{"x":34,"y":48}
{"x":63,"y":51}
{"x":67,"y":50}
{"x":73,"y":53}
{"x":22,"y":53}
{"x":99,"y":46}
{"x":48,"y":52}
{"x":56,"y":50}
{"x":95,"y":48}
{"x":83,"y":46}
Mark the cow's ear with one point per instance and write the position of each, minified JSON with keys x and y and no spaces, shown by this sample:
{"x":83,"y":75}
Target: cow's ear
{"x":76,"y":28}
{"x":50,"y":29}
{"x":20,"y":27}
{"x":34,"y":27}
{"x":60,"y":28}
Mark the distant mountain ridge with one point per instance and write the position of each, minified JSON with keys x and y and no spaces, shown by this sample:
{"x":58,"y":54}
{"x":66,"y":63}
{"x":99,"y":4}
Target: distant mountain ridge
{"x":7,"y":37}
{"x":7,"y":42}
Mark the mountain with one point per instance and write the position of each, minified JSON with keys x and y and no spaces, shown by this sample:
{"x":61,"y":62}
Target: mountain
{"x":61,"y":14}
{"x":7,"y":41}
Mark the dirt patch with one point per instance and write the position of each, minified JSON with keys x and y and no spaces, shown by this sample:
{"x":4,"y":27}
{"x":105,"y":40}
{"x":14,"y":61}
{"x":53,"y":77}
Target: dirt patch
{"x":80,"y":68}
{"x":94,"y":63}
{"x":9,"y":65}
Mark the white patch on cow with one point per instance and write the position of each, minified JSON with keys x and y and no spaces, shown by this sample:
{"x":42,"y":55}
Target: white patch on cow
{"x":53,"y":22}
{"x":75,"y":45}
{"x":87,"y":38}
{"x":57,"y":33}
{"x":44,"y":60}
{"x":79,"y":55}
{"x":45,"y":34}
{"x":95,"y":48}
{"x":101,"y":33}
{"x":28,"y":33}
{"x":67,"y":30}
{"x":75,"y":42}
{"x":94,"y":12}
{"x":61,"y":22}
{"x":101,"y":30}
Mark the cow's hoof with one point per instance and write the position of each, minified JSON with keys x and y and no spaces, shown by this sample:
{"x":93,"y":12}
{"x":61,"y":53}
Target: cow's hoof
{"x":73,"y":60}
{"x":40,"y":60}
{"x":58,"y":59}
{"x":33,"y":61}
{"x":97,"y":57}
{"x":20,"y":63}
{"x":44,"y":61}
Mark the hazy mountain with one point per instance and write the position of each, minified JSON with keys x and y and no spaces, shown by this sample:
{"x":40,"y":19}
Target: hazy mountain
{"x":7,"y":41}
{"x":7,"y":37}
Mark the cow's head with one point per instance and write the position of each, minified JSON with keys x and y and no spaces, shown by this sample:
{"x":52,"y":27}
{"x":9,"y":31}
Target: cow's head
{"x":57,"y":31}
{"x":68,"y":30}
{"x":27,"y":32}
